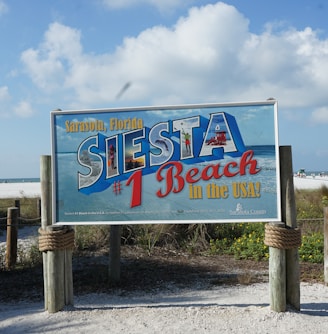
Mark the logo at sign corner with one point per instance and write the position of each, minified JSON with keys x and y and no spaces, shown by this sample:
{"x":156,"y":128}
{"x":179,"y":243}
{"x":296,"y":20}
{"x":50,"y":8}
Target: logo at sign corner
{"x":241,"y":211}
{"x":239,"y":207}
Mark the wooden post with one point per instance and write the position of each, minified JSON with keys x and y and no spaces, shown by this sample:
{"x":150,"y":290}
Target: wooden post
{"x":325,"y":252}
{"x":56,"y":285}
{"x":45,"y":181}
{"x":288,"y":212}
{"x":115,"y":253}
{"x":38,"y":207}
{"x":68,"y":277}
{"x":277,"y":276}
{"x":11,"y":245}
{"x":57,"y":264}
{"x":17,"y":205}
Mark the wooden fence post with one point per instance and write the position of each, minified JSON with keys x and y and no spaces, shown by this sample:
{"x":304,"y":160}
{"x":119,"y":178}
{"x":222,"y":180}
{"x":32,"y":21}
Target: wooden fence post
{"x":115,"y":253}
{"x":55,"y":274}
{"x":277,"y":276}
{"x":45,"y":181}
{"x":57,"y":264}
{"x":288,"y":212}
{"x":11,"y":243}
{"x":68,"y":277}
{"x":325,"y":252}
{"x":17,"y":205}
{"x":284,"y":273}
{"x":38,"y":207}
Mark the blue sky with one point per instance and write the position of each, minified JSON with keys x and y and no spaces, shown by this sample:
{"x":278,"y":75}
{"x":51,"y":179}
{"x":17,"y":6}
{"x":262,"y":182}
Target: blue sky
{"x":79,"y":54}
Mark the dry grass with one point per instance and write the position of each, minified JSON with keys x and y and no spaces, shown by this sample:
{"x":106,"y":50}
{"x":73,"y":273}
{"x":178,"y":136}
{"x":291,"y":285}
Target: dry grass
{"x":29,"y":207}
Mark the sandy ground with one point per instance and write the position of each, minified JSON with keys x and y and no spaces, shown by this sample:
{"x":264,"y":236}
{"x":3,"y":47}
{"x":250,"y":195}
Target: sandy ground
{"x":238,"y":309}
{"x":310,"y":182}
{"x":19,"y":190}
{"x":222,"y":309}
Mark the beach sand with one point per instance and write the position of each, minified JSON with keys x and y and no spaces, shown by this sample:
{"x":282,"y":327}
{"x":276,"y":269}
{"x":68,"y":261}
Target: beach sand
{"x":20,"y":190}
{"x":225,"y":309}
{"x":310,"y":182}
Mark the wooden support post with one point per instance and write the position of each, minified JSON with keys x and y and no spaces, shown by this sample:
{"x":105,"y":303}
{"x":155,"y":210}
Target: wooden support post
{"x":115,"y":253}
{"x":57,"y":264}
{"x":277,"y":276}
{"x":45,"y":181}
{"x":325,"y":252}
{"x":11,"y":244}
{"x":288,"y":212}
{"x":56,"y":283}
{"x":68,"y":277}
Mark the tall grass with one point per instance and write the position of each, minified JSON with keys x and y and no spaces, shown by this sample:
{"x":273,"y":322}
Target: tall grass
{"x":28,"y":207}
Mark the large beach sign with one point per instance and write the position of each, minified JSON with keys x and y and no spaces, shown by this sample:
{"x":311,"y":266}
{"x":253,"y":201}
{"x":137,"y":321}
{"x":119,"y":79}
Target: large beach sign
{"x":206,"y":163}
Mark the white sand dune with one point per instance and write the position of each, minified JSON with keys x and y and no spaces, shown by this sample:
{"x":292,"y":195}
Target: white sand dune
{"x":310,"y":182}
{"x":20,"y":190}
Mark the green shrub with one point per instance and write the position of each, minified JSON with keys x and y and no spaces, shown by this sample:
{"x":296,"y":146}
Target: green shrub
{"x":243,"y":240}
{"x":312,"y":248}
{"x":248,"y":245}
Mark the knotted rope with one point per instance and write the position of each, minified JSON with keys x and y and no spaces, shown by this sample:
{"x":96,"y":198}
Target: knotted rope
{"x":50,"y":240}
{"x":281,"y":237}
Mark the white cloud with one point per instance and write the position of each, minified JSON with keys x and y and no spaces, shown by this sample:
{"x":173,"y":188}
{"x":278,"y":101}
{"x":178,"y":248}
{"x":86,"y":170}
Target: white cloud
{"x":4,"y":102}
{"x":4,"y":93}
{"x":48,"y":66}
{"x":208,"y":56}
{"x":23,"y":109}
{"x":161,"y":5}
{"x":7,"y":109}
{"x":320,"y":115}
{"x":3,"y":8}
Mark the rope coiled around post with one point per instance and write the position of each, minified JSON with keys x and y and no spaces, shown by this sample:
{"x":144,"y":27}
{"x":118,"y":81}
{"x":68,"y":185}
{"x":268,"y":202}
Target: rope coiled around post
{"x":51,"y":240}
{"x":282,"y":237}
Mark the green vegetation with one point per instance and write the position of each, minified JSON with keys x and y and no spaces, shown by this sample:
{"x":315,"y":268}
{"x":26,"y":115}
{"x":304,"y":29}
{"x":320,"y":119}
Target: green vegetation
{"x":91,"y":237}
{"x":310,"y":203}
{"x":29,"y":215}
{"x":311,"y":249}
{"x":243,"y":241}
{"x":29,"y":208}
{"x":246,"y":241}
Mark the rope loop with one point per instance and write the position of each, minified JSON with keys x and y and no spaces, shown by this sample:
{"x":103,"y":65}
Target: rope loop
{"x":282,"y":237}
{"x":51,"y":240}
